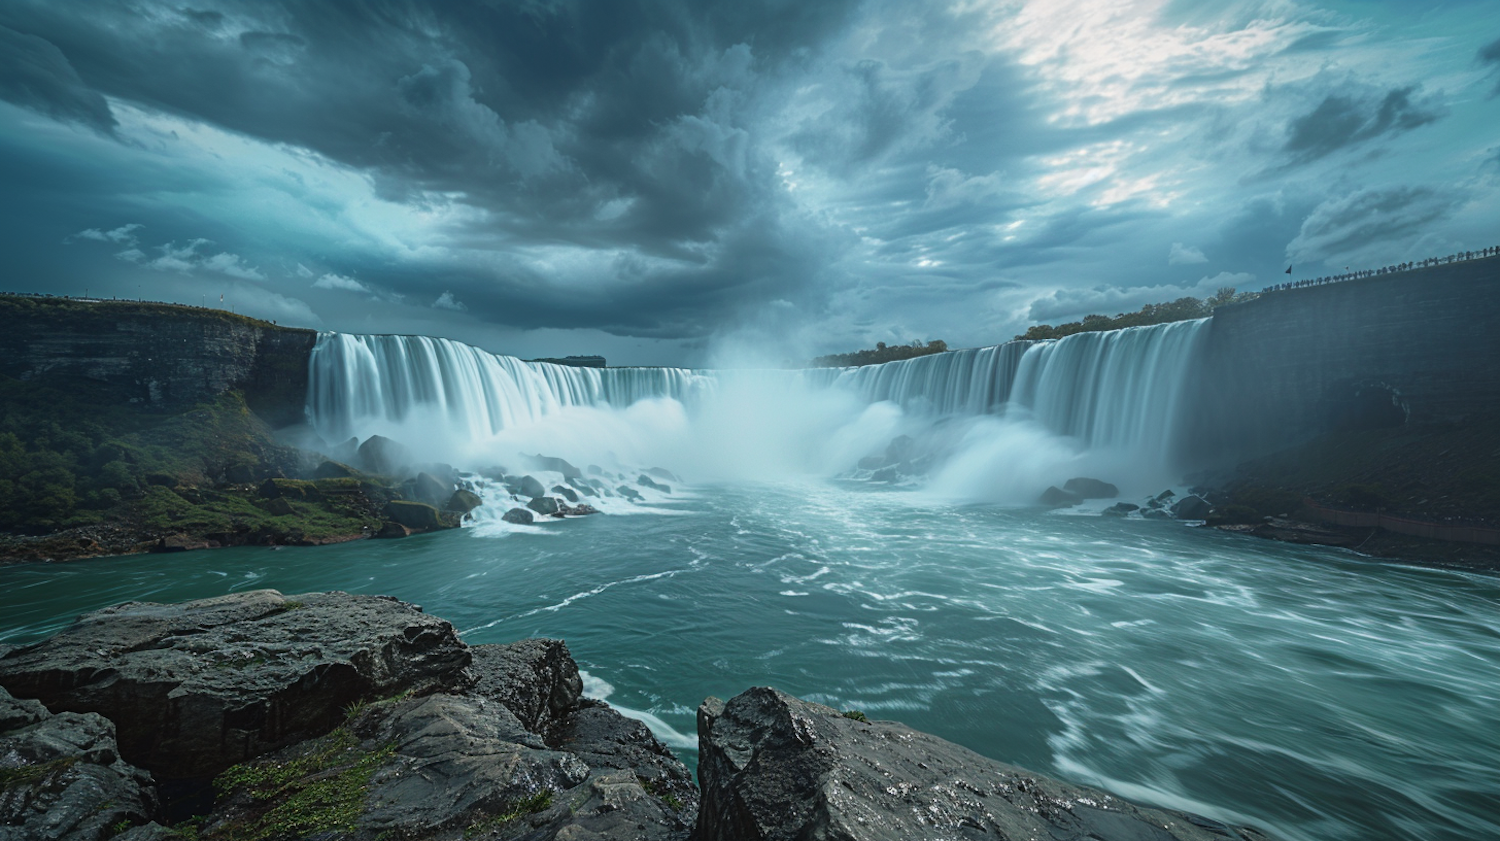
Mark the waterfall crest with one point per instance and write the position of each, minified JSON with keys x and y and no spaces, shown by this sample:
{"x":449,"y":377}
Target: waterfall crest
{"x":1122,"y":390}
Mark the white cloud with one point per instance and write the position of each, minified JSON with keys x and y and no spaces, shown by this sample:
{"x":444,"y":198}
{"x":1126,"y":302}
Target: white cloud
{"x":446,"y":301}
{"x":338,"y":281}
{"x":303,"y":271}
{"x":1185,"y":255}
{"x":123,"y":235}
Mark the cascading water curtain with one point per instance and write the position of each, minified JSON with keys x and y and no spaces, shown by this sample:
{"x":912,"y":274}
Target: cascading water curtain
{"x":356,"y":382}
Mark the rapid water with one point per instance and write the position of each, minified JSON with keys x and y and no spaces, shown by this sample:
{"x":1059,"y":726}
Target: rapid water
{"x":1310,"y":692}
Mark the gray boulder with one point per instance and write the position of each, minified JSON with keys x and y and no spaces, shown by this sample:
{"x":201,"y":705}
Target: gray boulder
{"x":1085,"y":488}
{"x":565,"y":492}
{"x":647,"y":482}
{"x":530,"y":487}
{"x":199,"y":686}
{"x":1191,"y":508}
{"x":583,"y":487}
{"x":379,"y":454}
{"x":61,"y":776}
{"x":521,"y":754}
{"x":1055,"y":497}
{"x":775,"y":768}
{"x":334,"y":470}
{"x":629,"y":493}
{"x":430,"y":489}
{"x":557,"y":465}
{"x":1120,"y":509}
{"x":886,"y":474}
{"x":871,"y":463}
{"x":663,"y":473}
{"x":462,"y":502}
{"x":544,"y":505}
{"x":899,"y":449}
{"x":418,"y":516}
{"x":519,"y":516}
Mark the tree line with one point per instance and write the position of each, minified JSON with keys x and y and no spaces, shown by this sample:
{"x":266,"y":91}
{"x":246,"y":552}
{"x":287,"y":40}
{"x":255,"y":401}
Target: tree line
{"x":881,"y":353}
{"x":1182,"y":309}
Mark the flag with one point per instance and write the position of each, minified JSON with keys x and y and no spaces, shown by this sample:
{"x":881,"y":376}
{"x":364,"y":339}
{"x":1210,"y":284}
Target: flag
{"x":1288,"y":269}
{"x":221,"y":297}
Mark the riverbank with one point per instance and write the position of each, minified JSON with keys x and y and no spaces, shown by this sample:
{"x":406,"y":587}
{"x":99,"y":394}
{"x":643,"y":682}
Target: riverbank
{"x":1444,"y":474}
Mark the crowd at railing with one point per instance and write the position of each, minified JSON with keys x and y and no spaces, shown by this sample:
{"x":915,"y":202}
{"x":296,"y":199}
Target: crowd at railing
{"x":1460,"y":257}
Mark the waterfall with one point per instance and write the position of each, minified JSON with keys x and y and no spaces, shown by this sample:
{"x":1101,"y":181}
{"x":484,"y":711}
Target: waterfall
{"x":355,"y":382}
{"x":1123,"y":390}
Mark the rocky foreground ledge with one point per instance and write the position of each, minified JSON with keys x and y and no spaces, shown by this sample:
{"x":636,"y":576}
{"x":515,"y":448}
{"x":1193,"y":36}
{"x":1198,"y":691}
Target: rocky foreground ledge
{"x":258,"y":716}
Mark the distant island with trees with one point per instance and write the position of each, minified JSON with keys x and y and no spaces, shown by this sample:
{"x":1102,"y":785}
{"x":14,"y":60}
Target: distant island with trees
{"x":881,"y":353}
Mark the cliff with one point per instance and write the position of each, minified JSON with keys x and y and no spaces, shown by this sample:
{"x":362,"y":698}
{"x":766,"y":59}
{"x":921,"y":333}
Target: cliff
{"x":161,"y":356}
{"x":1414,"y":346}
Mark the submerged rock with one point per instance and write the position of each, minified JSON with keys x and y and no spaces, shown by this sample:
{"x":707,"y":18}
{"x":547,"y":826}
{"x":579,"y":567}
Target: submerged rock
{"x":199,"y":686}
{"x":776,"y":768}
{"x":1120,"y":509}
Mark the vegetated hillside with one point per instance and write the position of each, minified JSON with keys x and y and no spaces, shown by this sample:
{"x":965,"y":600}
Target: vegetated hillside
{"x":1182,"y":309}
{"x":82,"y":474}
{"x":881,"y":353}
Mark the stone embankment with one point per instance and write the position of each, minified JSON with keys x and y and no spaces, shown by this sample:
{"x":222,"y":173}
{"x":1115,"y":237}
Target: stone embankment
{"x":328,"y":715}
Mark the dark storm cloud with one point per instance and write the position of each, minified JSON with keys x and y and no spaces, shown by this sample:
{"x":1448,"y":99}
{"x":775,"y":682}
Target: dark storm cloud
{"x":35,"y":74}
{"x":1348,"y":223}
{"x":1352,"y":116}
{"x":603,"y":125}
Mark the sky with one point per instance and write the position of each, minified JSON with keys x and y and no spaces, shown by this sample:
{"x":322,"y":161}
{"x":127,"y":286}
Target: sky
{"x":669,"y":182}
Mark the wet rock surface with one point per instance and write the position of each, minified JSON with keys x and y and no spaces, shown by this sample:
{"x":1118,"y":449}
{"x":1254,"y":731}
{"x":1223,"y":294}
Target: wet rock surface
{"x":61,"y":776}
{"x":775,"y":767}
{"x":199,"y":686}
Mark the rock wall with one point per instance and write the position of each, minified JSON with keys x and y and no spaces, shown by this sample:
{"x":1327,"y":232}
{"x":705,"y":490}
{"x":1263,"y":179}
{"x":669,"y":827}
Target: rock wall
{"x":1418,"y":345}
{"x":161,"y":355}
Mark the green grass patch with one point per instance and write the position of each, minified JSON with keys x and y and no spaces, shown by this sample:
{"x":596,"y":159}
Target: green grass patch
{"x":27,"y":776}
{"x":855,"y":715}
{"x":516,"y":810}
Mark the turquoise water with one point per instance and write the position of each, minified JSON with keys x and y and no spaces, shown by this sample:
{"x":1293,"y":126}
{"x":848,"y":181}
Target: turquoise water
{"x":1313,"y":693}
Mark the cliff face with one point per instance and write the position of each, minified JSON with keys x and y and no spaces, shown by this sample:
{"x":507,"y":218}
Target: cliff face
{"x":1418,"y":345}
{"x":159,"y":355}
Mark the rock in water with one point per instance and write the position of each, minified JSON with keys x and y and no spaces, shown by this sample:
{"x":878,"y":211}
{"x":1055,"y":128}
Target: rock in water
{"x":519,"y":516}
{"x":462,"y":502}
{"x":647,"y":482}
{"x":530,"y":487}
{"x":774,"y":768}
{"x":541,"y":462}
{"x":413,"y":515}
{"x":1191,"y":508}
{"x":1055,"y":497}
{"x":1085,"y":488}
{"x":61,"y":776}
{"x":544,"y":505}
{"x":199,"y":686}
{"x":565,"y":492}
